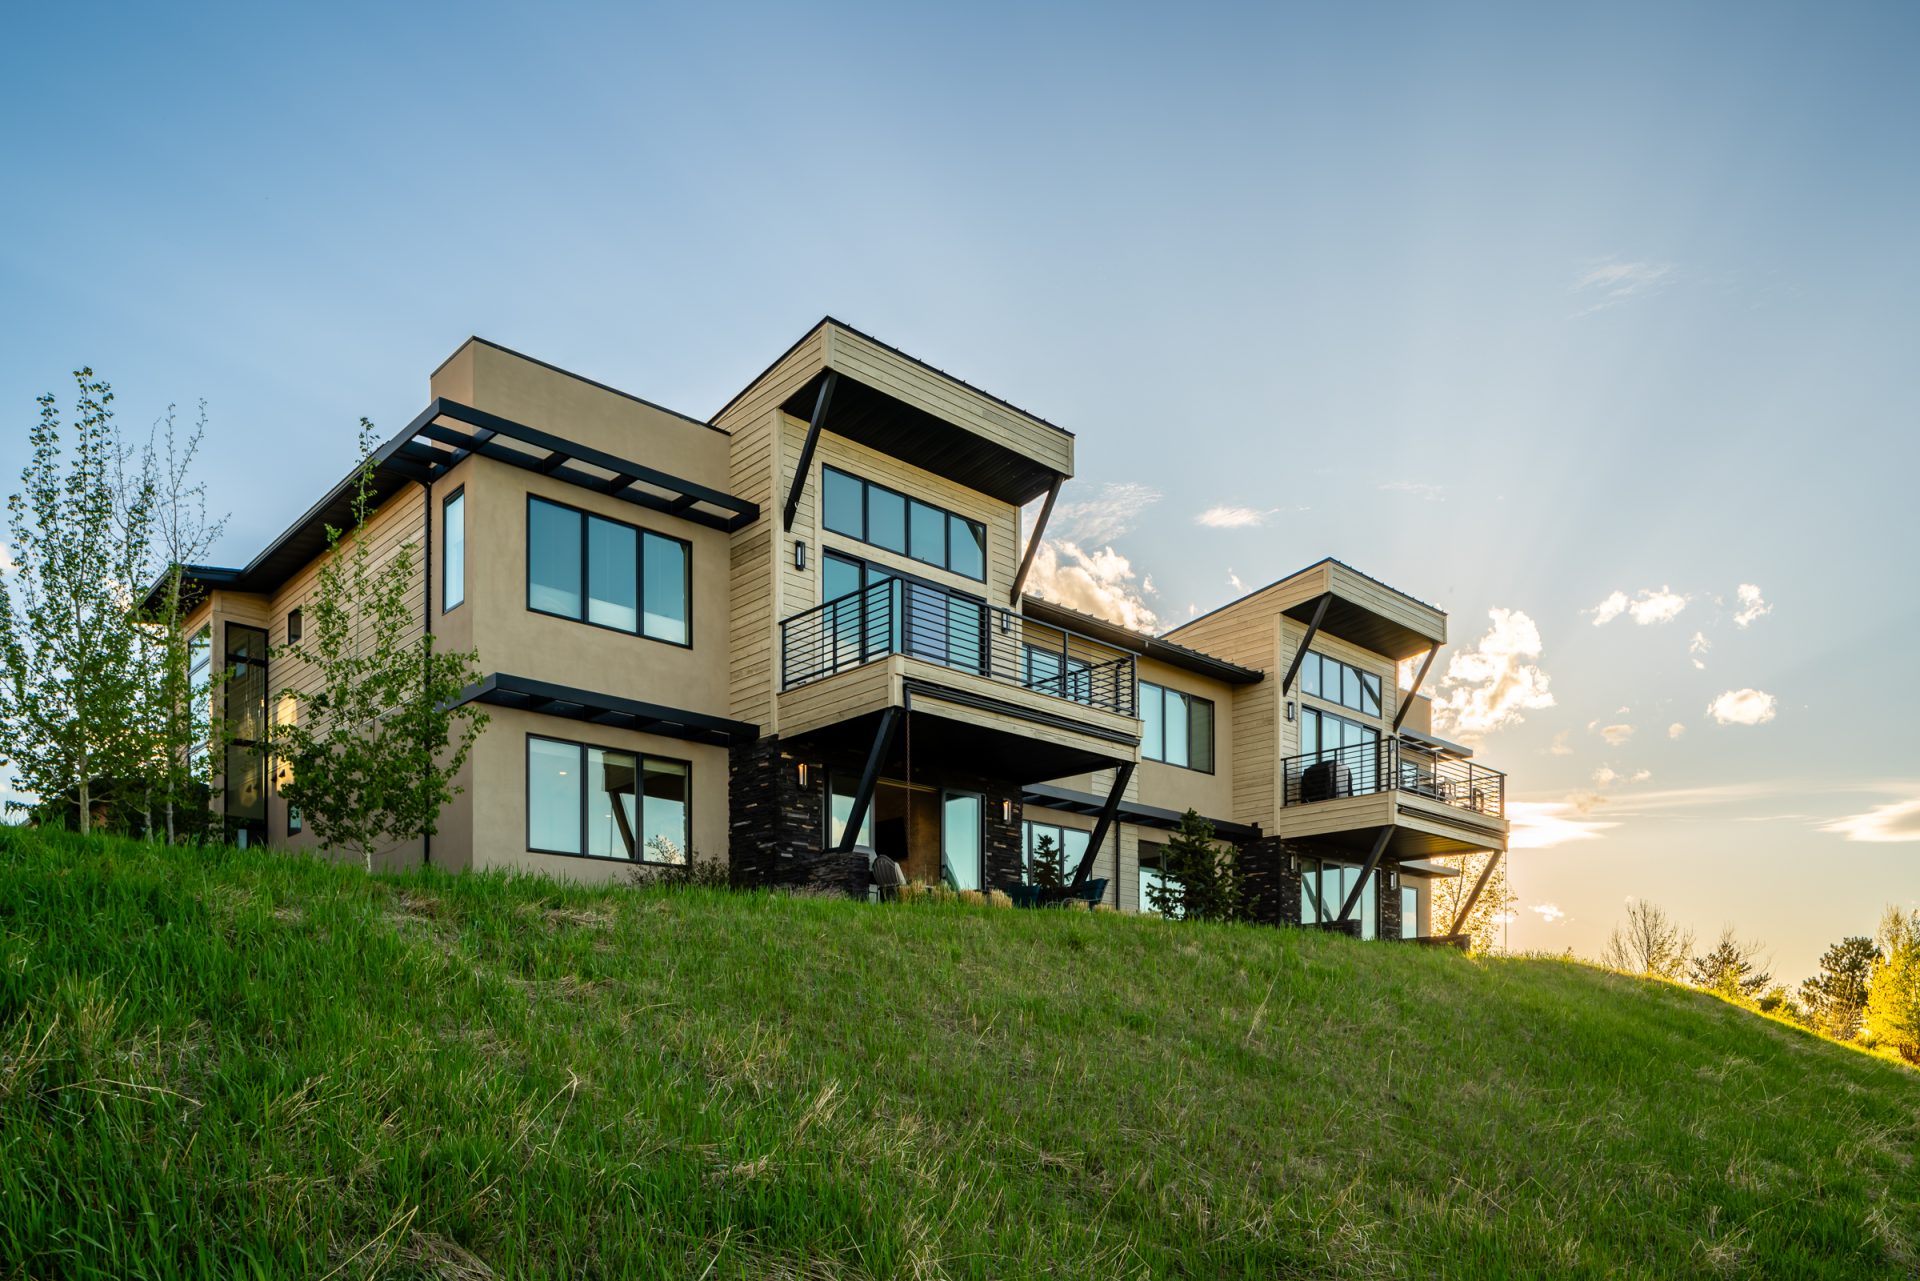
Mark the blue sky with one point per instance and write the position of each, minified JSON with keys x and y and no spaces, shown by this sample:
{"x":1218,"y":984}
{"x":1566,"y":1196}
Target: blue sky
{"x":1514,"y":310}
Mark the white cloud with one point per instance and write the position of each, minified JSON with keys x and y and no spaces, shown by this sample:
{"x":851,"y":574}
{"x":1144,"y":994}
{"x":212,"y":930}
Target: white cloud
{"x":1607,"y":776}
{"x":1646,"y":608}
{"x":1100,"y":583}
{"x":1752,"y":605}
{"x":1697,"y":650}
{"x":1233,"y":581}
{"x":1097,"y":521}
{"x":1233,"y":517}
{"x":1894,"y":821}
{"x":1652,"y":607}
{"x":1743,"y":707}
{"x":8,"y":565}
{"x":1676,"y":729}
{"x":1616,"y":734}
{"x":1559,"y":746}
{"x":1608,"y":284}
{"x":1418,"y":488}
{"x":1541,"y":825}
{"x":1496,"y":682}
{"x":1549,"y":912}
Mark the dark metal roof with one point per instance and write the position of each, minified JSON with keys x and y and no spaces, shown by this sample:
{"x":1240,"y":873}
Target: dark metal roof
{"x":1069,"y":801}
{"x":440,"y":437}
{"x":528,"y":695}
{"x":1345,"y":619}
{"x":1165,"y":651}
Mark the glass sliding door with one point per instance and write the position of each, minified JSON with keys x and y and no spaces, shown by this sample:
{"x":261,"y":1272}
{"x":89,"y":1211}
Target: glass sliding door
{"x":960,"y":840}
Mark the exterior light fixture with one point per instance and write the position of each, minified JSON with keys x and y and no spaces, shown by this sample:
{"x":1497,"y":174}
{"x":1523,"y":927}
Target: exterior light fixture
{"x":802,"y":772}
{"x":799,"y":553}
{"x":1006,"y":810}
{"x":1289,"y":709}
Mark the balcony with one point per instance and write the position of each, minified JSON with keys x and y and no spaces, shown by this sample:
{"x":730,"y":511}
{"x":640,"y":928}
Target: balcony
{"x":1392,"y":765}
{"x":1435,"y":802}
{"x":960,"y":633}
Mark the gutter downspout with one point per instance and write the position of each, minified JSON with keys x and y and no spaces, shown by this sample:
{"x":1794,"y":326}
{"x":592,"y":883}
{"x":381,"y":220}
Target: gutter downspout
{"x":426,"y":838}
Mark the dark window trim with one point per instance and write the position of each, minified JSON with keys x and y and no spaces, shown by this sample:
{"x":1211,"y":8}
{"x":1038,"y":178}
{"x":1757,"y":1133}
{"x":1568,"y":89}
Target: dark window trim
{"x":296,"y":625}
{"x":639,"y":570}
{"x":296,"y":824}
{"x":445,"y":503}
{"x":980,"y":830}
{"x":640,"y":758}
{"x":945,"y":563}
{"x":1360,"y":671}
{"x":1213,"y":728}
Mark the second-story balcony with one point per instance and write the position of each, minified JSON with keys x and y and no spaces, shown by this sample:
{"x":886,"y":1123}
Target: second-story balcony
{"x":962,"y":633}
{"x":1432,"y":801}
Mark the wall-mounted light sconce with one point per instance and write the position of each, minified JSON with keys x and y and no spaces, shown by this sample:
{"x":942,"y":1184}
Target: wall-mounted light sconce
{"x":1289,"y":709}
{"x":1393,"y":880}
{"x":1006,"y":811}
{"x":802,"y":773}
{"x":1006,"y":622}
{"x":799,"y":553}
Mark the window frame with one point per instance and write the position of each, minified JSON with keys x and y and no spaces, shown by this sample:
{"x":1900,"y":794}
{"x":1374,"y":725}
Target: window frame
{"x":1192,"y":701}
{"x":641,"y":534}
{"x":1029,"y":827}
{"x":948,"y":516}
{"x":459,"y":495}
{"x":640,"y":760}
{"x":1313,"y":668}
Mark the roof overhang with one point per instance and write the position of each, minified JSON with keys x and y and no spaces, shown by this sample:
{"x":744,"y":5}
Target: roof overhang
{"x":1364,"y":610}
{"x":442,"y":436}
{"x":1164,"y":651}
{"x":525,"y":694}
{"x":1068,"y":801}
{"x":889,"y":401}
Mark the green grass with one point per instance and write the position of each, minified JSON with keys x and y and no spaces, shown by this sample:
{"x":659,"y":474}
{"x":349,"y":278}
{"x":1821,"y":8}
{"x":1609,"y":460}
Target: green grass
{"x":234,"y":1064}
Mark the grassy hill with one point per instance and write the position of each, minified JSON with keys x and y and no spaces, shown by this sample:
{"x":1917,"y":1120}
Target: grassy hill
{"x":242,"y":1064}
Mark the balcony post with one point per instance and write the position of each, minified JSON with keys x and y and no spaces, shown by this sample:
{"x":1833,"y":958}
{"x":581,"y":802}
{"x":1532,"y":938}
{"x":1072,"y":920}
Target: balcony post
{"x":1366,"y":873}
{"x":1099,"y":836}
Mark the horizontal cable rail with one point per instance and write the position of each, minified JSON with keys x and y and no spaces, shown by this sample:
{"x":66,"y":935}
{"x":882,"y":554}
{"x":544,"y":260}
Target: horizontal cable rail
{"x":1363,"y":769}
{"x":899,"y":616}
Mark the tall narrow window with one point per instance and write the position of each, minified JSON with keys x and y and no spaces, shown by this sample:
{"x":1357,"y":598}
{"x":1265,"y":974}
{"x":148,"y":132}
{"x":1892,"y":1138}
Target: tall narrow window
{"x":960,"y":840}
{"x":245,"y":695}
{"x":294,"y":627}
{"x":453,"y":561}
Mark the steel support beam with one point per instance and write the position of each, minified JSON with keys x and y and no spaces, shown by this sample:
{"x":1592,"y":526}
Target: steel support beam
{"x":1466,"y":909}
{"x":1121,"y":776}
{"x":1306,"y":642}
{"x":820,"y":404}
{"x":1406,"y":700}
{"x":869,"y":778}
{"x":1033,"y":544}
{"x":1366,"y":874}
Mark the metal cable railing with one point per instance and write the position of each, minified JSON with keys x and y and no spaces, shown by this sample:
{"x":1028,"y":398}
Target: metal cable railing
{"x":899,"y":616}
{"x":1390,"y":765}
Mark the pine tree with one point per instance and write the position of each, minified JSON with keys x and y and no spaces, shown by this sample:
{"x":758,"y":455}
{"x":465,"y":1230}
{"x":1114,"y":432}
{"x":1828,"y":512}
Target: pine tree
{"x":1732,"y":969}
{"x":1047,"y":866}
{"x":1836,"y":997}
{"x":1200,"y":881}
{"x":370,"y":750}
{"x":70,"y":693}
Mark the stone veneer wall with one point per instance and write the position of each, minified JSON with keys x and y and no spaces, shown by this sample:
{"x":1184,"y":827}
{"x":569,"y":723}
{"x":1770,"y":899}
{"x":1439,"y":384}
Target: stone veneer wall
{"x":1270,"y":869}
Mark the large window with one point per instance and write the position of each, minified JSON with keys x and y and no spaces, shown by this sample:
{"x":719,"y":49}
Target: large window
{"x":1176,"y":728}
{"x":606,"y":804}
{"x":915,"y":618}
{"x":1153,"y":876}
{"x":1341,"y":683}
{"x":1409,"y":912}
{"x":453,"y":561}
{"x":607,"y":573}
{"x":892,"y":521}
{"x":200,"y":692}
{"x":1323,"y":890}
{"x":1063,"y":848}
{"x":840,"y":792}
{"x":245,"y":696}
{"x":1352,"y":749}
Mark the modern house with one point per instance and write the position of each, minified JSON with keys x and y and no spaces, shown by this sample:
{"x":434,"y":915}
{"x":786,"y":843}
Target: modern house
{"x":797,"y":632}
